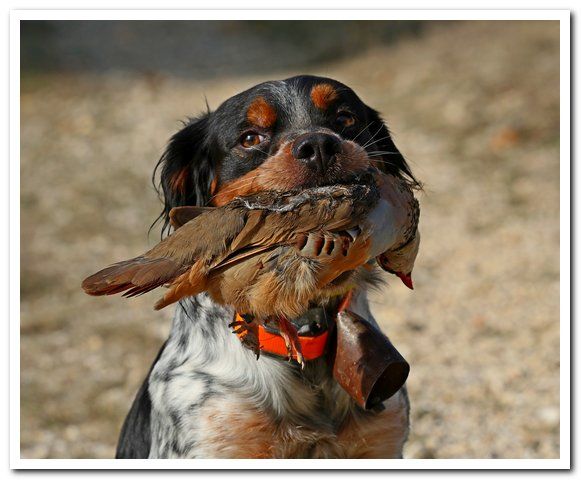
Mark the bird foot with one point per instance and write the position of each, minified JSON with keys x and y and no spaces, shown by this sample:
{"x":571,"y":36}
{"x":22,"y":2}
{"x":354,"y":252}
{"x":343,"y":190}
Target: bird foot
{"x":291,"y":339}
{"x":248,"y":335}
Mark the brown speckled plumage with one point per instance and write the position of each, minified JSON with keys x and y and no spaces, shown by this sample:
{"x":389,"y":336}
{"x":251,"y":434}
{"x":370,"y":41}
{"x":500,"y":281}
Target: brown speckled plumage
{"x":270,"y":253}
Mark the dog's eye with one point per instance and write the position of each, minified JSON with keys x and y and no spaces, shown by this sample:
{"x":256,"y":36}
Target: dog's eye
{"x":250,"y":139}
{"x":345,"y":119}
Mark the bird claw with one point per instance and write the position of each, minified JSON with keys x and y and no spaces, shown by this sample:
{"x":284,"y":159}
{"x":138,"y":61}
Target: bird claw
{"x":291,"y":339}
{"x":236,"y":323}
{"x":246,"y":333}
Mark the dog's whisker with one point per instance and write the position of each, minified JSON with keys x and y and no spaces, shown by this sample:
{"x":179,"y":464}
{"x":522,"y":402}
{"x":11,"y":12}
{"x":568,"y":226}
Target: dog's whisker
{"x":385,"y":162}
{"x":362,"y":130}
{"x":375,"y":141}
{"x":372,"y":137}
{"x":258,"y":150}
{"x":382,"y":153}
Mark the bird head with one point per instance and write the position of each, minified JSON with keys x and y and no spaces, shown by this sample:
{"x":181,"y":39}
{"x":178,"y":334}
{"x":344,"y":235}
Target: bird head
{"x":400,"y":261}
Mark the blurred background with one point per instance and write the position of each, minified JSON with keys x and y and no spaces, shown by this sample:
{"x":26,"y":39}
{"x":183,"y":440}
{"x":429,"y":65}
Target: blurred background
{"x":473,"y":105}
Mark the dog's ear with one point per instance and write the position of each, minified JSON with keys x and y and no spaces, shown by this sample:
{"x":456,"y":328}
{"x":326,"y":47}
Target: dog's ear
{"x":382,"y":147}
{"x":185,"y":169}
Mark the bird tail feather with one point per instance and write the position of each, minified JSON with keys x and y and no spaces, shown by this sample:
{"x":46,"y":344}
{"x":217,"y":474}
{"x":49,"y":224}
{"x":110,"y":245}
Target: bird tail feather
{"x":134,"y":277}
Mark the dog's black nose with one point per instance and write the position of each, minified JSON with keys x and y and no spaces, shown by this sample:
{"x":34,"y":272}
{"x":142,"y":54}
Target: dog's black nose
{"x":317,"y":150}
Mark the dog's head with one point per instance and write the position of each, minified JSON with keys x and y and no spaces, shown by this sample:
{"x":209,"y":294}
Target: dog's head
{"x":283,"y":135}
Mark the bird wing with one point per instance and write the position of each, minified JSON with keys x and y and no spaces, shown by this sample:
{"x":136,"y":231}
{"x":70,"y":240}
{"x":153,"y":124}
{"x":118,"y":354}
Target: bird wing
{"x":203,"y":237}
{"x":267,"y":230}
{"x":179,"y":216}
{"x":216,"y":238}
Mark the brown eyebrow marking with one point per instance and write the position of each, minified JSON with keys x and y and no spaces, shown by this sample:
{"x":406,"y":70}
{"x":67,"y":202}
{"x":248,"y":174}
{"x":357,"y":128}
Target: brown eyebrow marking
{"x":323,"y":95}
{"x":261,"y":113}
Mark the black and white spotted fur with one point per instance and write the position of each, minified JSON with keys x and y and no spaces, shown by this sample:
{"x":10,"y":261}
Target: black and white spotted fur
{"x":204,"y":384}
{"x":203,"y":361}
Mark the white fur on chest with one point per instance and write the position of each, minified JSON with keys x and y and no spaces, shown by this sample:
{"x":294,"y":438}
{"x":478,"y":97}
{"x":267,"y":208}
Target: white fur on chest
{"x":211,"y":398}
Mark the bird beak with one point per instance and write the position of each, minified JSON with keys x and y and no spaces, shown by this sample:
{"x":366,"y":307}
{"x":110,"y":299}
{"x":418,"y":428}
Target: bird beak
{"x":406,"y":279}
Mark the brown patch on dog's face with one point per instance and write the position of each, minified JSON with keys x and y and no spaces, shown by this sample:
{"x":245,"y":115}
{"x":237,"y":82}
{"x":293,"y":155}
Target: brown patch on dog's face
{"x":261,"y":113}
{"x":323,"y":95}
{"x":240,"y":187}
{"x":282,"y":172}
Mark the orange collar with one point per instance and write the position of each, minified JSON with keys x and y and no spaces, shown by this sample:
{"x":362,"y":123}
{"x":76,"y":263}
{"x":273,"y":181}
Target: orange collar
{"x":312,"y":347}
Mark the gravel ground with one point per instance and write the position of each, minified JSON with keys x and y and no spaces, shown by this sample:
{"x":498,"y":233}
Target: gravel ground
{"x":474,"y":106}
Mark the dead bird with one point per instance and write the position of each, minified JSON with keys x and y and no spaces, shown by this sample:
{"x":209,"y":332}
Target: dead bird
{"x":271,"y":255}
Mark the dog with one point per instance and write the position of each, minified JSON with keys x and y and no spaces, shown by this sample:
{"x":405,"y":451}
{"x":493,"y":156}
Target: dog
{"x":206,"y":395}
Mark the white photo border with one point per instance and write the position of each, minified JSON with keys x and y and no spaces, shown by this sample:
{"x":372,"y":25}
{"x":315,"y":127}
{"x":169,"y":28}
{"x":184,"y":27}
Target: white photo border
{"x":564,"y":18}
